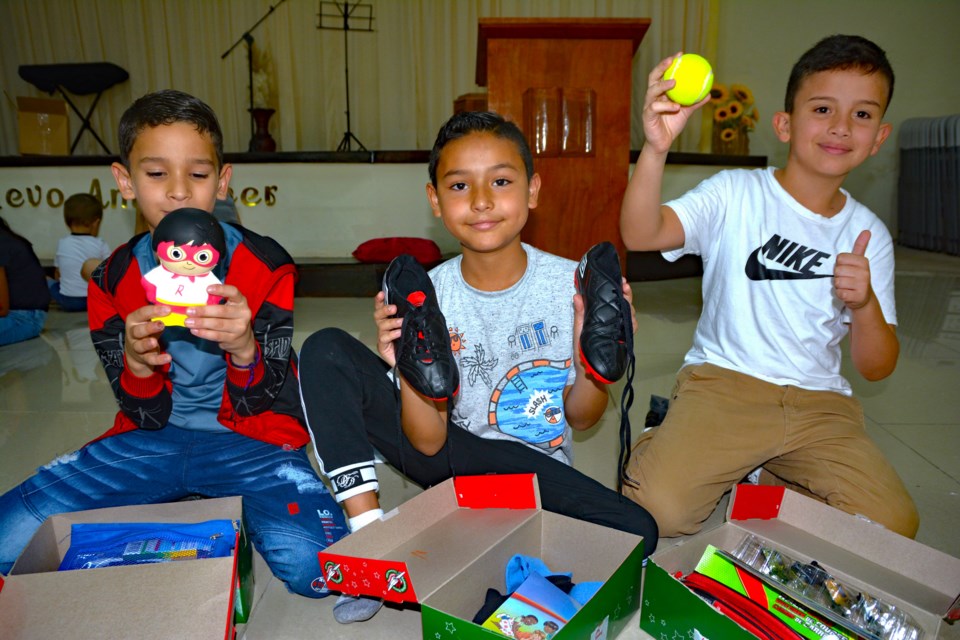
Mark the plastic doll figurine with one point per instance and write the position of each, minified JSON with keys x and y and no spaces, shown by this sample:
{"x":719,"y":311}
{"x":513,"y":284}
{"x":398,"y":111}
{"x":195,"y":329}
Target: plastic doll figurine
{"x":188,"y":243}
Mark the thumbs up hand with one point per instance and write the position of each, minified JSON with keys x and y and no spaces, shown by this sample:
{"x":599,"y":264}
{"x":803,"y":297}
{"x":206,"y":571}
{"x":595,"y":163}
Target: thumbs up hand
{"x":851,"y":274}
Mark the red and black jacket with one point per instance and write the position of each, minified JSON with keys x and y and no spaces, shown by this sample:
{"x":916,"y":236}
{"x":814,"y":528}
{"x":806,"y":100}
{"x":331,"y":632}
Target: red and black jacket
{"x":263,"y":404}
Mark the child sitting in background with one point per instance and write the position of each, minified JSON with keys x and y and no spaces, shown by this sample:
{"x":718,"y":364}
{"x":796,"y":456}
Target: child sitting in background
{"x":79,"y":253}
{"x":24,"y":298}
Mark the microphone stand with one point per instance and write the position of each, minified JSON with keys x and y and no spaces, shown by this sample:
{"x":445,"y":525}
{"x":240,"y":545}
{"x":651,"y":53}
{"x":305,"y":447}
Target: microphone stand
{"x":248,"y":38}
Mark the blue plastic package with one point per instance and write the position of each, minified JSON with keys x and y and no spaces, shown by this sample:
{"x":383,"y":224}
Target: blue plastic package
{"x":94,"y":545}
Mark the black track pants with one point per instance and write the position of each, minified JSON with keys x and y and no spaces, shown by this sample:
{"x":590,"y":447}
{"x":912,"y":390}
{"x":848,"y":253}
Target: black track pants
{"x":351,"y":408}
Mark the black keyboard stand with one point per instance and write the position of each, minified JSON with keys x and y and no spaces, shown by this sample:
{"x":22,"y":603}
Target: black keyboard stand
{"x":81,"y":78}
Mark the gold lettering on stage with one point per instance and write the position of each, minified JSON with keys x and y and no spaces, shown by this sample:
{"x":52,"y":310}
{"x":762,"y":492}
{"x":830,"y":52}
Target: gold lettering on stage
{"x":53,"y":197}
{"x":269,"y":194}
{"x":250,"y":196}
{"x":39,"y":199}
{"x":97,"y":193}
{"x":14,"y":198}
{"x":115,"y":196}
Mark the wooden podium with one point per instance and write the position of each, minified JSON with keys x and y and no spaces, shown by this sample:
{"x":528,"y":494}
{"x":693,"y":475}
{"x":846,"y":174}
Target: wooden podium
{"x":567,"y":83}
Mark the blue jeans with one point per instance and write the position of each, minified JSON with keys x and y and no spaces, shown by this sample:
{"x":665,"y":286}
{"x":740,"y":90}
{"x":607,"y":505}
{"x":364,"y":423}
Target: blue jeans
{"x":21,"y":324}
{"x":67,"y":303}
{"x":288,"y":512}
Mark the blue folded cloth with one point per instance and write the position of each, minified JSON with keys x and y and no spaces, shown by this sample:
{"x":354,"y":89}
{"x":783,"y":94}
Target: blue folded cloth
{"x":519,"y":568}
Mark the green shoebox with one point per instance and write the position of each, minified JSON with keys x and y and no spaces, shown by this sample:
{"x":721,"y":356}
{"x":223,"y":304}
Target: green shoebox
{"x":442,"y":549}
{"x":921,"y":581}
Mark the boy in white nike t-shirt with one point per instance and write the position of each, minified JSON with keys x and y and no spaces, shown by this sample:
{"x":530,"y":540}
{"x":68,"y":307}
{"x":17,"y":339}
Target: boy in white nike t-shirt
{"x":792,"y":264}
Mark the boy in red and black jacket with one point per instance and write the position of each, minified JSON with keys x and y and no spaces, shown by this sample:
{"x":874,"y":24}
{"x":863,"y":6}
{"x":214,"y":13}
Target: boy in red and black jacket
{"x":211,"y":408}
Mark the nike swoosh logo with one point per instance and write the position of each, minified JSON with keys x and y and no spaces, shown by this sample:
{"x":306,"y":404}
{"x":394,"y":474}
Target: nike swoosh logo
{"x":755,"y":270}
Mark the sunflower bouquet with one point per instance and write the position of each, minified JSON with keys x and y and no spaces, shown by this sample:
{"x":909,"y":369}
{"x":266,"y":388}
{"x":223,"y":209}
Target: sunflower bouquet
{"x":734,"y":116}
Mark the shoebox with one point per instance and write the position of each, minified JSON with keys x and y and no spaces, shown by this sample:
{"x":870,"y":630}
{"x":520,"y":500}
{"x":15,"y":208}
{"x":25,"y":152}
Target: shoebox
{"x":44,"y":126}
{"x":922,"y":582}
{"x":445,"y":547}
{"x":183,"y":599}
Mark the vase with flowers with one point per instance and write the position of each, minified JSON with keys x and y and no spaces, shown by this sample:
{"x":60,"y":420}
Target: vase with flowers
{"x":734,"y":116}
{"x":264,"y":97}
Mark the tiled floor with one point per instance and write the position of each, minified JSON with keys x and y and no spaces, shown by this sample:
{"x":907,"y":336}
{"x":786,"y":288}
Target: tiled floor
{"x":54,"y":397}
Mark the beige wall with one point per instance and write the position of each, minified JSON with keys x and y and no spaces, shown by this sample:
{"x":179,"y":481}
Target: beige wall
{"x":760,"y":40}
{"x":318,"y":210}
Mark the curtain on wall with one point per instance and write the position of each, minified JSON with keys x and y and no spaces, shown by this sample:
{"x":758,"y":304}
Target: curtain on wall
{"x":403,"y":76}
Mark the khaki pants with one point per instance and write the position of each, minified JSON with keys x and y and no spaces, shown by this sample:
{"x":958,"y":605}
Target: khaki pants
{"x":721,"y":425}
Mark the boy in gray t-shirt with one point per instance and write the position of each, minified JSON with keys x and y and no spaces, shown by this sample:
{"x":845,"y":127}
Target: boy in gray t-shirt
{"x":513,"y":349}
{"x":514,"y":322}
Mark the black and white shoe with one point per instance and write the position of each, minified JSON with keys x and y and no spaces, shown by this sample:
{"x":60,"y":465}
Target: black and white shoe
{"x":423,"y":352}
{"x":606,"y":338}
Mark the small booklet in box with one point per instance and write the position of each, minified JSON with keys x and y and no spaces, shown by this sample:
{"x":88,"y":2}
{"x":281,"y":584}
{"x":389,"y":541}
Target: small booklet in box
{"x":535,"y":611}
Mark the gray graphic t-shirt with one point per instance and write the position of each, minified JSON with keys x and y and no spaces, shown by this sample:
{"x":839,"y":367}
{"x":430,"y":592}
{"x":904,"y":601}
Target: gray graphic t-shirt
{"x":514,"y":348}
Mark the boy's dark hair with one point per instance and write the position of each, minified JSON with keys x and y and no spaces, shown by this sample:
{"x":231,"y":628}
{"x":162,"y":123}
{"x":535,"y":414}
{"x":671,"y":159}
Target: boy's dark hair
{"x":82,"y":209}
{"x":183,"y":225}
{"x":551,"y":624}
{"x":839,"y":53}
{"x":467,"y":122}
{"x":167,"y":107}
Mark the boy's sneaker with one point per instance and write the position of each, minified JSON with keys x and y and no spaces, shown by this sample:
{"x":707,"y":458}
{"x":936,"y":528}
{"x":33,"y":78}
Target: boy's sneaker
{"x":606,"y":339}
{"x":423,"y":352}
{"x":607,"y":336}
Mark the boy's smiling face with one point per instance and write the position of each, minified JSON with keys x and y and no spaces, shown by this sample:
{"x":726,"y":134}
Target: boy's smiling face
{"x":172,"y":166}
{"x":836,"y":123}
{"x":482,"y":195}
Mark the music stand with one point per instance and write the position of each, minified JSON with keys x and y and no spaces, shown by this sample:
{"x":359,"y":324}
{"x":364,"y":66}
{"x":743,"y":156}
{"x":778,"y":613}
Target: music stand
{"x":80,"y":78}
{"x":345,"y":12}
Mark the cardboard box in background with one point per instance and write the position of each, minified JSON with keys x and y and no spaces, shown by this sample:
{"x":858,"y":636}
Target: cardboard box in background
{"x":921,"y":581}
{"x":44,"y":126}
{"x":445,"y":547}
{"x":177,"y":600}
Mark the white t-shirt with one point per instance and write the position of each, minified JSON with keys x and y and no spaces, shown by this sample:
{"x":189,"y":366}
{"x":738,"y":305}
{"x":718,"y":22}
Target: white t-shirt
{"x":769,"y":309}
{"x":514,"y":349}
{"x":72,"y":252}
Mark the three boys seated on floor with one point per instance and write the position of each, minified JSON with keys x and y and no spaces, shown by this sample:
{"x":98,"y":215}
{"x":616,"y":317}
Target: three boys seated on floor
{"x":219,"y":405}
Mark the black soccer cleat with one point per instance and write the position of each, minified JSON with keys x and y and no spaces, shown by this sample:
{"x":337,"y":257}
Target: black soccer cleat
{"x":606,"y":341}
{"x":423,"y":352}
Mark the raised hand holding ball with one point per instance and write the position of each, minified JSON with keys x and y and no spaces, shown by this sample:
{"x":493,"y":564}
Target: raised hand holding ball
{"x":694,"y":78}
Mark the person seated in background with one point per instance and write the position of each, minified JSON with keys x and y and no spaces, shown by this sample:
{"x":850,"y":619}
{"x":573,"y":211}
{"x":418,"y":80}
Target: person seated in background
{"x":24,"y":296}
{"x":79,"y":253}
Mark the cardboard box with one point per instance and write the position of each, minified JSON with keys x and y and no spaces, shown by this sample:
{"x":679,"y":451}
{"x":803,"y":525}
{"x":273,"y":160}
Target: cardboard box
{"x":445,"y":547}
{"x":923,"y":582}
{"x":44,"y":126}
{"x":186,"y":599}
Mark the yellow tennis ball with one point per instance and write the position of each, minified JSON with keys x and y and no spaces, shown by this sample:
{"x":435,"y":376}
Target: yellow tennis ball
{"x":694,"y":78}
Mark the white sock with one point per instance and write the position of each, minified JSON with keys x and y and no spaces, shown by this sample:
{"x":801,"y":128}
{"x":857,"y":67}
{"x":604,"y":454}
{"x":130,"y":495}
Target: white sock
{"x":358,"y":522}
